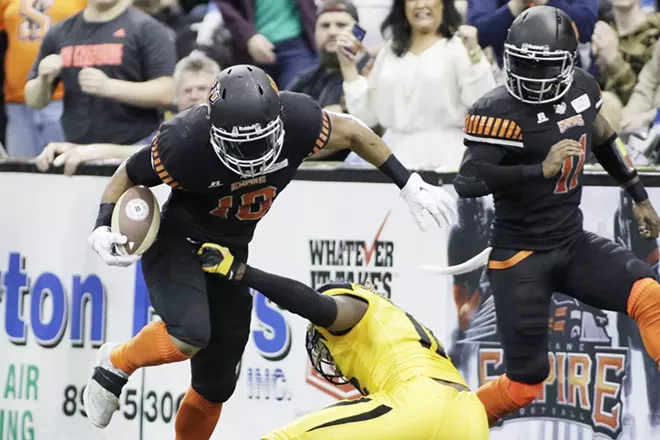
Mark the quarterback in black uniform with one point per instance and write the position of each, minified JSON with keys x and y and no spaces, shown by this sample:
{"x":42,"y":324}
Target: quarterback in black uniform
{"x":527,"y":143}
{"x":225,"y":162}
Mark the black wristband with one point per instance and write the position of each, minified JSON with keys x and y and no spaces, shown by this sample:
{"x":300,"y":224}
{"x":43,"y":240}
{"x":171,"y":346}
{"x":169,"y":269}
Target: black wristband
{"x":637,"y":192}
{"x":104,"y":218}
{"x":533,"y":171}
{"x":395,"y":170}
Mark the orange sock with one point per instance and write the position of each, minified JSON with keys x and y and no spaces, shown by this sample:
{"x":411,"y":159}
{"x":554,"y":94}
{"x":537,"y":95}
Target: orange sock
{"x":503,"y":396}
{"x":644,"y":308}
{"x":196,"y":418}
{"x":151,"y":346}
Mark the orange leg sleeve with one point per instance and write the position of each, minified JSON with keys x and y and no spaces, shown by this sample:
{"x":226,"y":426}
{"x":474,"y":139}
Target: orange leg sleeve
{"x":644,"y":308}
{"x":196,"y":418}
{"x":503,"y":396}
{"x":151,"y":346}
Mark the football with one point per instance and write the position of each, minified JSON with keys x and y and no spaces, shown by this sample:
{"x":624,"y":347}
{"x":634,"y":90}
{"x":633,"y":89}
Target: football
{"x":136,"y":216}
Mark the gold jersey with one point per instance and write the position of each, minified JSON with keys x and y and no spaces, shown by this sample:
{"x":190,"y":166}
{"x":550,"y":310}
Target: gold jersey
{"x":388,"y":346}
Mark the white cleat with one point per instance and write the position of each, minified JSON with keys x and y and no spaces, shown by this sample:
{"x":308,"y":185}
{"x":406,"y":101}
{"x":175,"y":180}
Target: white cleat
{"x":101,"y":396}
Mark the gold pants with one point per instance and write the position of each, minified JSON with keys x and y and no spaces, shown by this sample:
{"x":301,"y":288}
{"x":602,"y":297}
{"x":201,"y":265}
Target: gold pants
{"x":419,"y":409}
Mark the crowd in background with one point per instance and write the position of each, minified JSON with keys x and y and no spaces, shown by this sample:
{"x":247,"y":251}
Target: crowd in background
{"x":86,"y":80}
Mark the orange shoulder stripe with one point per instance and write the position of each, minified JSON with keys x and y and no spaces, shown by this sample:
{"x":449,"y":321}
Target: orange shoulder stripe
{"x":490,"y":126}
{"x":159,"y":165}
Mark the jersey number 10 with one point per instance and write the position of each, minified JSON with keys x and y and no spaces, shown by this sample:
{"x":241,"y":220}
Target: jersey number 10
{"x":260,"y":199}
{"x":563,"y":185}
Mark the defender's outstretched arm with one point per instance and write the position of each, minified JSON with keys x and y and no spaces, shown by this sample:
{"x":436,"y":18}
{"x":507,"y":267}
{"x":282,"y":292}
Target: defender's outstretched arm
{"x":336,"y":313}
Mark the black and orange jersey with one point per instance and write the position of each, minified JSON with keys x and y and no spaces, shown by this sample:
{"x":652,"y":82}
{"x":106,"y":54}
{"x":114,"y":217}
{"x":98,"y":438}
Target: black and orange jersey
{"x":208,"y":201}
{"x":545,"y":213}
{"x":388,"y":346}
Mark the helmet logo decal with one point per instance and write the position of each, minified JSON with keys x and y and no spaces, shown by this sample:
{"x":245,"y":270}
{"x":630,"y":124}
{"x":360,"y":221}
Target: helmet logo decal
{"x":214,"y":94}
{"x":253,"y":127}
{"x":527,"y":46}
{"x":273,"y":84}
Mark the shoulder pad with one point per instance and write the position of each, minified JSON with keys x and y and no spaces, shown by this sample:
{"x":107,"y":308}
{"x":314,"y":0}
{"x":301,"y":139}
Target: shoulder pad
{"x":295,"y":99}
{"x":306,"y":125}
{"x":172,"y":145}
{"x":589,"y":84}
{"x":491,"y":120}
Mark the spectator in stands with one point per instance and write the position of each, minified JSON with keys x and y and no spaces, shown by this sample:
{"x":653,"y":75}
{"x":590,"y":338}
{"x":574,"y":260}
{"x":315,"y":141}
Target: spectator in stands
{"x":276,"y":35}
{"x":621,"y":52}
{"x":28,"y":131}
{"x":423,"y":81}
{"x":116,"y":65}
{"x":640,"y":111}
{"x":493,"y":18}
{"x":193,"y":77}
{"x":167,"y":12}
{"x":210,"y":35}
{"x":324,"y":81}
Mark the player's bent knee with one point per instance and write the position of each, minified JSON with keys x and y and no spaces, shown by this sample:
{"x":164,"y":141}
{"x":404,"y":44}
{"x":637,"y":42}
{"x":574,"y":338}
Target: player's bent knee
{"x":218,"y":391}
{"x":185,"y":348}
{"x":524,"y":393}
{"x":190,"y":338}
{"x":639,"y":270}
{"x":532,"y":372}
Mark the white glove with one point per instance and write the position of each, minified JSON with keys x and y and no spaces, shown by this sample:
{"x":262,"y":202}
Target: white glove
{"x":103,"y":240}
{"x":420,"y":197}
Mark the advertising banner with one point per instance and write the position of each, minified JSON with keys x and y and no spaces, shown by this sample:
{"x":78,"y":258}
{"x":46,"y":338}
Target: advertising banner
{"x":59,"y":302}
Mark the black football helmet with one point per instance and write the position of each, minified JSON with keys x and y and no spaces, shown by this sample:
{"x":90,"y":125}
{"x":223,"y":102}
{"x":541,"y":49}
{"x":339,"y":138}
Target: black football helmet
{"x":319,"y":354}
{"x":245,"y":113}
{"x":539,"y":55}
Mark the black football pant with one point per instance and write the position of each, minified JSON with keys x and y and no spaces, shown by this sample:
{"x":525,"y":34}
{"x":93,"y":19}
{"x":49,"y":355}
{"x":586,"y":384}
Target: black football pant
{"x":199,"y":309}
{"x":590,"y":268}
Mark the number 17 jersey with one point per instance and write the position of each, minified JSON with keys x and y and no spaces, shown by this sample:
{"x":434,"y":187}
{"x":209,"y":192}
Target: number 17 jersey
{"x":542,"y":214}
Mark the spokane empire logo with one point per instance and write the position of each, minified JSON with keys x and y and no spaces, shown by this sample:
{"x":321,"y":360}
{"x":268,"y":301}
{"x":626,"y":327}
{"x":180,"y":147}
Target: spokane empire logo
{"x":353,"y":261}
{"x":586,"y":371}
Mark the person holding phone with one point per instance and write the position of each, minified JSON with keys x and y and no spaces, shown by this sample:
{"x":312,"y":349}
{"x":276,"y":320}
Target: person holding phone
{"x":423,"y":81}
{"x":323,"y":82}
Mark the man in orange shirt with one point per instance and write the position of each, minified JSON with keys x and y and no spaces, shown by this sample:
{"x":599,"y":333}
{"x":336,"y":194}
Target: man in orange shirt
{"x":26,"y":22}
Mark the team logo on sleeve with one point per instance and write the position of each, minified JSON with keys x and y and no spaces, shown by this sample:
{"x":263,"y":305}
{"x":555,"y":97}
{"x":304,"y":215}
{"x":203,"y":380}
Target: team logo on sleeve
{"x":573,"y":121}
{"x":214,"y":94}
{"x":560,"y":108}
